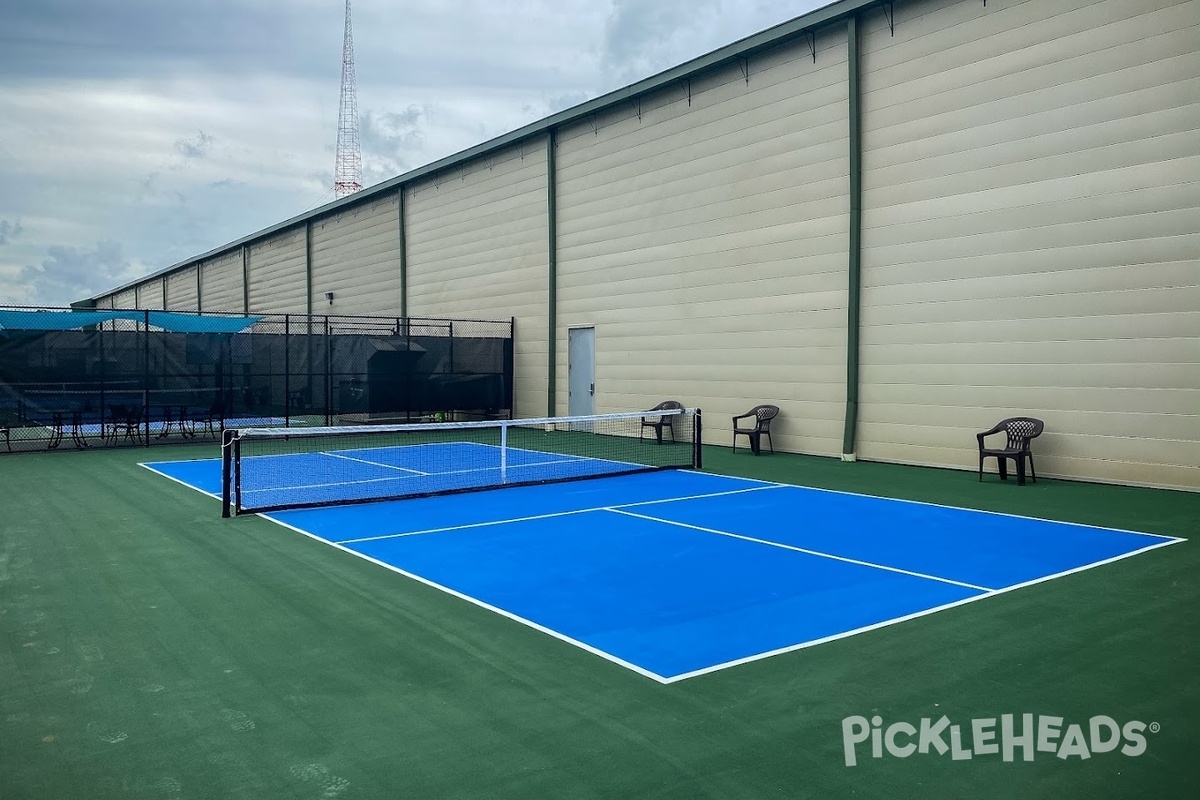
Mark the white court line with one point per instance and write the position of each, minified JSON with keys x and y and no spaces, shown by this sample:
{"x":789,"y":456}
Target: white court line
{"x":915,"y":615}
{"x":565,"y":457}
{"x":177,"y":480}
{"x":1168,"y":540}
{"x":295,"y":487}
{"x":372,"y":463}
{"x":476,"y":601}
{"x":967,"y":508}
{"x":550,"y":515}
{"x":783,"y":546}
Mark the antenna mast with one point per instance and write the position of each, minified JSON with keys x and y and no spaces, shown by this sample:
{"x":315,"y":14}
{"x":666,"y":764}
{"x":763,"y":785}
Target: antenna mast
{"x":347,"y":172}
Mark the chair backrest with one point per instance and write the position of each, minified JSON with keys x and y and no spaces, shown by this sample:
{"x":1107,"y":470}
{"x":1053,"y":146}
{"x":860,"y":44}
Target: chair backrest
{"x":1021,"y":430}
{"x":667,"y":405}
{"x":764,"y":414}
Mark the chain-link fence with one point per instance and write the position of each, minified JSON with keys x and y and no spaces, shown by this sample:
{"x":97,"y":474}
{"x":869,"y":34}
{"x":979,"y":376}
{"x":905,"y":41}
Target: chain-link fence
{"x":100,"y":377}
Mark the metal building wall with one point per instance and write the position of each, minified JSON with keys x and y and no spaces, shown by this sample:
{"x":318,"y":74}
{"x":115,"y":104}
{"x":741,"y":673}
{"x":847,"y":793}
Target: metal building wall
{"x":1028,"y":239}
{"x":356,"y":255}
{"x":477,"y":249}
{"x":183,"y":290}
{"x":150,"y":294}
{"x":221,"y":283}
{"x":278,"y":274}
{"x":125,"y":299}
{"x":706,"y":242}
{"x":1030,"y":234}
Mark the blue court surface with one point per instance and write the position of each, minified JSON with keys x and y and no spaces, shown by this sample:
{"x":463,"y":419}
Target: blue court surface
{"x":678,"y":573}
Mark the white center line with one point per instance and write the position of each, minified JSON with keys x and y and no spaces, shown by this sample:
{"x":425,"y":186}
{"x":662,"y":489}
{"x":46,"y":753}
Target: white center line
{"x":804,"y":550}
{"x":552,"y":515}
{"x":372,"y":463}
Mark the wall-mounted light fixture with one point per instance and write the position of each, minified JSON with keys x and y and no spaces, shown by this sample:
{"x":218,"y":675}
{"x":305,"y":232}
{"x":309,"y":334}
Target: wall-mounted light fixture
{"x":329,"y":297}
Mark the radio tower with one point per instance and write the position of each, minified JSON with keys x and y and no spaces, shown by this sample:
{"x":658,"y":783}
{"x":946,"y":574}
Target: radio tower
{"x":347,"y":173}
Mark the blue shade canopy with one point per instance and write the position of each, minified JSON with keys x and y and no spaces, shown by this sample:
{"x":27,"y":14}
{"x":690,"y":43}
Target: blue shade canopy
{"x":178,"y":322}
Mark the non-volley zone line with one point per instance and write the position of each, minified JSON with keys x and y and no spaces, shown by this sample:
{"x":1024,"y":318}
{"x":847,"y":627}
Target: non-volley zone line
{"x":551,"y":515}
{"x":415,"y":474}
{"x":618,"y":567}
{"x":624,"y":508}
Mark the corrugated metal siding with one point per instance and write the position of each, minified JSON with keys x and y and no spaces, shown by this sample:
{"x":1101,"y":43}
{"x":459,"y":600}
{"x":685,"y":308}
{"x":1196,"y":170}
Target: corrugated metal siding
{"x":182,"y":290}
{"x":150,"y":295}
{"x":356,"y":255}
{"x":707,"y":244}
{"x":278,"y":282}
{"x":126,"y":299}
{"x":477,"y":249}
{"x":221,"y":283}
{"x":1030,"y":237}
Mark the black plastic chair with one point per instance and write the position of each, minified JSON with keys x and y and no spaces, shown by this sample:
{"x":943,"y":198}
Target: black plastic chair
{"x":8,"y":421}
{"x":1019,"y":432}
{"x":126,"y":419}
{"x":762,"y":416}
{"x":658,"y":423}
{"x":210,"y":419}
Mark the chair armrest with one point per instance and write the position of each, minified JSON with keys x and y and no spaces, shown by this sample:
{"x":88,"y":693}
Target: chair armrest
{"x":981,"y":436}
{"x":742,"y":416}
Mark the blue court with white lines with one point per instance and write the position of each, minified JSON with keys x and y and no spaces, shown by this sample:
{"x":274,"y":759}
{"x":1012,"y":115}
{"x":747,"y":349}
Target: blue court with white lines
{"x":678,"y":573}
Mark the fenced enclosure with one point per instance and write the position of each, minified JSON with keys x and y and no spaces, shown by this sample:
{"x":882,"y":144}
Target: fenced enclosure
{"x":101,"y":377}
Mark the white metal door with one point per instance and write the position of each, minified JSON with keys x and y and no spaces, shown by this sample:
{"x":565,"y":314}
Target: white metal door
{"x":581,"y":371}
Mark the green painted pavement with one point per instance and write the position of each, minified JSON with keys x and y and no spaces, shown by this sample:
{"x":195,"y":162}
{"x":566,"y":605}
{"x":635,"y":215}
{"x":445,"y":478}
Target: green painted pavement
{"x":150,"y":649}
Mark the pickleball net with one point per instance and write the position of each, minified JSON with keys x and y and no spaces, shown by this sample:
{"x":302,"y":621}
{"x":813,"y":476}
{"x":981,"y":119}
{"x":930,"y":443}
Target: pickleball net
{"x":272,"y":469}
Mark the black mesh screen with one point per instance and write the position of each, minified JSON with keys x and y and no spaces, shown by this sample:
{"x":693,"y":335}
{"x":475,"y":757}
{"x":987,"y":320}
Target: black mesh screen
{"x":170,"y":377}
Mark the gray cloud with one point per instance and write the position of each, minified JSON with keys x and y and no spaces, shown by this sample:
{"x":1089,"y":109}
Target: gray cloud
{"x":175,"y":128}
{"x":120,"y":38}
{"x":9,"y":230}
{"x":390,"y":142}
{"x":69,"y":273}
{"x":194,"y":147}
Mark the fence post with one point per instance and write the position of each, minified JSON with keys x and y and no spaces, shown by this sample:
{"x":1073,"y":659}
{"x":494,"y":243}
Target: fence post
{"x":328,"y":373}
{"x":287,"y":373}
{"x":146,"y":375}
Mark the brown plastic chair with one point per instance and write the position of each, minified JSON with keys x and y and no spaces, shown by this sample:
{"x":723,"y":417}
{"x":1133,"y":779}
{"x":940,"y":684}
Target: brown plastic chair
{"x":660,"y":422}
{"x":1020,"y":431}
{"x":762,"y":416}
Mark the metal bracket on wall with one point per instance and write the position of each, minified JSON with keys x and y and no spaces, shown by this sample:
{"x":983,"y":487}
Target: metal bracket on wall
{"x":595,"y":123}
{"x":744,"y":63}
{"x":812,"y":43}
{"x":687,"y":84}
{"x":637,"y":107}
{"x":890,"y":13}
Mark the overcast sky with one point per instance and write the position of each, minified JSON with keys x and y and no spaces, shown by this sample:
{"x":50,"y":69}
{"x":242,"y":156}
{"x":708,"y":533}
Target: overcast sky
{"x":137,"y":133}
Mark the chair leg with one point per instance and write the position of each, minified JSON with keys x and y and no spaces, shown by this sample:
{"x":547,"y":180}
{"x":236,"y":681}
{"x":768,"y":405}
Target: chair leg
{"x":1002,"y":465}
{"x":770,"y":443}
{"x":981,"y":467}
{"x":1032,"y":471}
{"x":1020,"y":470}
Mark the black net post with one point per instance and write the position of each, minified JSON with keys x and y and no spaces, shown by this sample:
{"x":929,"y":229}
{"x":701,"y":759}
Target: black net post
{"x":697,"y":430}
{"x":226,"y":471}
